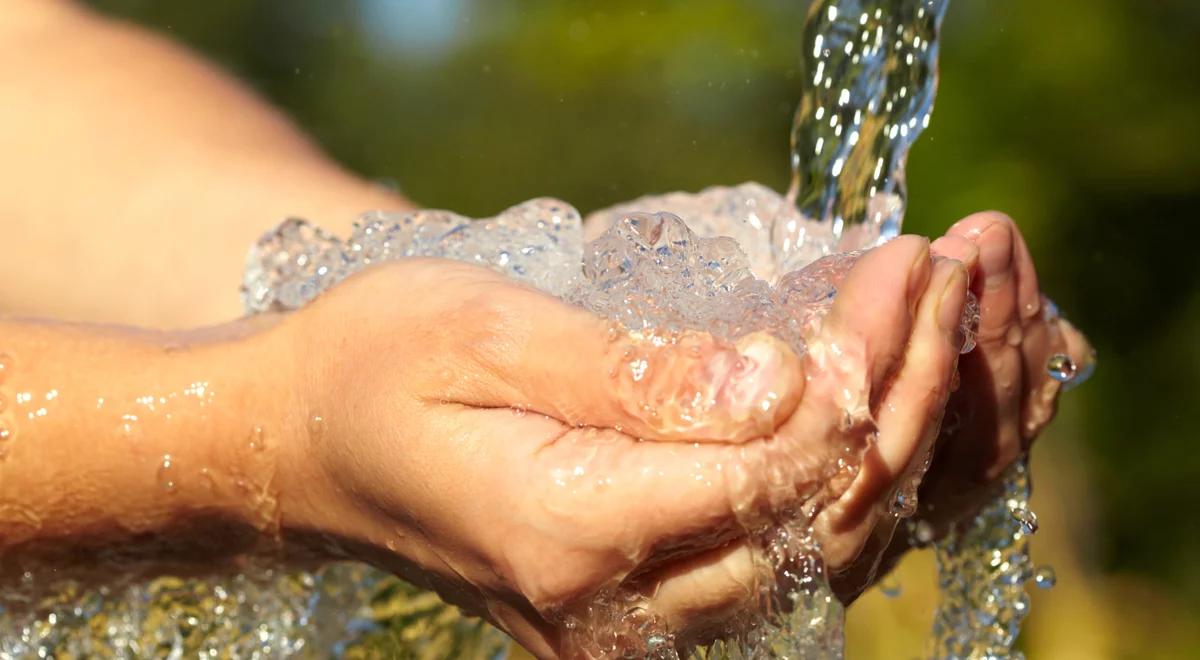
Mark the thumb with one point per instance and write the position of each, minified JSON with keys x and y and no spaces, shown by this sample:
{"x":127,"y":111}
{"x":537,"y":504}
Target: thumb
{"x":567,"y":363}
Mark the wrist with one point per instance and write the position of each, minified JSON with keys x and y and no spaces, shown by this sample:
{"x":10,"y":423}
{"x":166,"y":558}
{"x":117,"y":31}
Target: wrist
{"x":163,"y":445}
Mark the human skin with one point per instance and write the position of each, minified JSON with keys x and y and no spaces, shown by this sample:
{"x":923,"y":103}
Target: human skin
{"x":201,"y":168}
{"x":136,"y":174}
{"x":343,"y":431}
{"x":1005,"y":397}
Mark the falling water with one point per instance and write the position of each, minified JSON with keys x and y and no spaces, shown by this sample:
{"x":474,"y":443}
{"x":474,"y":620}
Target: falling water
{"x":870,"y":76}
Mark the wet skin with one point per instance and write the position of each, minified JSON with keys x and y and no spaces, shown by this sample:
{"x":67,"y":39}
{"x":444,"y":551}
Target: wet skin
{"x":487,"y":440}
{"x":1005,"y":396}
{"x":519,"y":516}
{"x":531,"y":534}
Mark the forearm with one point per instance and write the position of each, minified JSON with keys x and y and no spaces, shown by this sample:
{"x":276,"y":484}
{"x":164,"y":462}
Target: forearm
{"x":137,"y":176}
{"x":146,"y":442}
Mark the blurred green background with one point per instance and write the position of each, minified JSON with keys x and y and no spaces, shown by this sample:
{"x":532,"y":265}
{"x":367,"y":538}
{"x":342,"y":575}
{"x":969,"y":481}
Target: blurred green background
{"x":1080,"y":118}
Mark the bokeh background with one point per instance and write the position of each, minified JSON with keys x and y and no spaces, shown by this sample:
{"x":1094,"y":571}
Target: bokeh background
{"x":1080,"y":118}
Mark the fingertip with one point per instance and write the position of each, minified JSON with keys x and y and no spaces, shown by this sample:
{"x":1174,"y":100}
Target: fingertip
{"x":775,"y":382}
{"x":974,"y":225}
{"x":959,"y":249}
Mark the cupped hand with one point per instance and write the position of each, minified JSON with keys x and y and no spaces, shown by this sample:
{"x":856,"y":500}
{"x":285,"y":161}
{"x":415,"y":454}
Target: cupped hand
{"x":1007,"y":394}
{"x":520,"y":455}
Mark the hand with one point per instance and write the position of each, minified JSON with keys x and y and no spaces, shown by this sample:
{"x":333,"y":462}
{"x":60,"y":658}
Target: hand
{"x":520,"y":455}
{"x":1006,"y":395}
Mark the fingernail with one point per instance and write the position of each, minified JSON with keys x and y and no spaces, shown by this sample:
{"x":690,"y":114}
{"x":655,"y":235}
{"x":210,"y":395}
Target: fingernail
{"x":918,"y":272}
{"x":953,"y":297}
{"x":996,"y":255}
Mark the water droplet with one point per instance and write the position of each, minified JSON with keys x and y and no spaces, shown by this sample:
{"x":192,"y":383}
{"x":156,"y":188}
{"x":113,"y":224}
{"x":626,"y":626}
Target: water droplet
{"x":6,"y":365}
{"x":1061,"y":367}
{"x":519,"y":410}
{"x":1027,"y":518}
{"x":657,"y":643}
{"x":968,"y":329}
{"x":6,"y":435}
{"x":258,"y":439}
{"x":890,"y":587}
{"x":904,"y":503}
{"x":167,"y":474}
{"x":128,"y":427}
{"x":316,"y":427}
{"x":1044,"y":578}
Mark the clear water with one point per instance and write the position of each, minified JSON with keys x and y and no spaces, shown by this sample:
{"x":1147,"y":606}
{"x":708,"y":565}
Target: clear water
{"x":870,"y":76}
{"x":870,"y":72}
{"x":983,"y":568}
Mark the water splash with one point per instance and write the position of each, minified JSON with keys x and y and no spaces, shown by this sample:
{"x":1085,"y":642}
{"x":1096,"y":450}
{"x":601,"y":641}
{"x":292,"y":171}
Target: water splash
{"x":982,"y":570}
{"x":870,"y":77}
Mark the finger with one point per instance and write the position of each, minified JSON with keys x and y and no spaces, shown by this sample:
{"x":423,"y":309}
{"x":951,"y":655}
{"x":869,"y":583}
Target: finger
{"x":696,"y":598}
{"x":1047,"y":341}
{"x":862,"y":339}
{"x":1029,"y":296}
{"x":539,"y":353}
{"x":995,"y":368}
{"x":645,"y":498}
{"x":959,"y":249}
{"x":909,"y":414}
{"x":994,"y":235}
{"x":1043,"y":340}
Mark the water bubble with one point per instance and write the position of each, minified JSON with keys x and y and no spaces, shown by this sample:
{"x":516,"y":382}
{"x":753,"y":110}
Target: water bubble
{"x":167,"y":474}
{"x":258,"y":439}
{"x":904,"y":503}
{"x":1044,"y":577}
{"x":1027,"y":518}
{"x":657,"y":643}
{"x":904,"y":500}
{"x":128,"y":426}
{"x":1061,"y":367}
